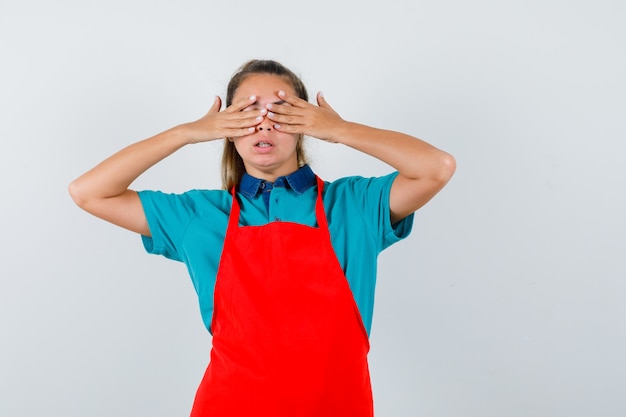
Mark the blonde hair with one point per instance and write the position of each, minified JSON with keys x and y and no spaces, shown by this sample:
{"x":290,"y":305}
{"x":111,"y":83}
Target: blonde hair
{"x":232,"y":165}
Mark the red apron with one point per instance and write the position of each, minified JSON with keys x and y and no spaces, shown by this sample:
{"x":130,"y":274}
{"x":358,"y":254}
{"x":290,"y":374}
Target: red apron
{"x":288,"y":340}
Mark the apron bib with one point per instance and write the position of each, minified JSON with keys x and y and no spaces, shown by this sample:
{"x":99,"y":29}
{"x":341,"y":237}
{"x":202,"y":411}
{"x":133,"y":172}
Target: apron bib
{"x":288,"y":339}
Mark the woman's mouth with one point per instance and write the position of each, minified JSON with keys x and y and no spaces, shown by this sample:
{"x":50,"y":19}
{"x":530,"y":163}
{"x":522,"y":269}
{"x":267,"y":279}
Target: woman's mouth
{"x":263,"y":144}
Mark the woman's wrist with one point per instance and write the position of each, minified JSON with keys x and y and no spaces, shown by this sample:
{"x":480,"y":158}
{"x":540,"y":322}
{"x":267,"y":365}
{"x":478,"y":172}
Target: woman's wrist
{"x":183,"y":134}
{"x":339,"y":133}
{"x":347,"y":133}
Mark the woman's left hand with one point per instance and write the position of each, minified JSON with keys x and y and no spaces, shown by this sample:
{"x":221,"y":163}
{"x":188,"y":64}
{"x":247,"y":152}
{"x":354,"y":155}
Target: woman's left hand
{"x":301,"y":117}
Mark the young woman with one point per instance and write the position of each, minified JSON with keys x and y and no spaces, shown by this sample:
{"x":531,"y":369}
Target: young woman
{"x":284,"y":263}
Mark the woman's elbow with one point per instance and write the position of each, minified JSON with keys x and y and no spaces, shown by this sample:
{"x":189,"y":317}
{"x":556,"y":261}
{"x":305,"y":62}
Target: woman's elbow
{"x":446,"y":168}
{"x":77,"y":193}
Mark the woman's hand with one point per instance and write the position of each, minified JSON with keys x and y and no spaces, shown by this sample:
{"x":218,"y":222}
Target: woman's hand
{"x":301,"y":117}
{"x":231,"y":122}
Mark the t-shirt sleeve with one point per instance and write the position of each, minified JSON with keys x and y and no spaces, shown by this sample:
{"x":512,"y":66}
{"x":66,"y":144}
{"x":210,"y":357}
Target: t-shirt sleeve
{"x":168,"y":217}
{"x":371,"y":197}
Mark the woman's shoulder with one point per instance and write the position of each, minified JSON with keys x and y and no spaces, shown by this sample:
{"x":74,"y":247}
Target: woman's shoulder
{"x":198,"y":200}
{"x":358,"y":184}
{"x":208,"y":195}
{"x":208,"y":200}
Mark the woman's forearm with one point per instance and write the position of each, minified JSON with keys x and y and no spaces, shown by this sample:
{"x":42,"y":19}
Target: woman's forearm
{"x":113,"y":176}
{"x":413,"y":158}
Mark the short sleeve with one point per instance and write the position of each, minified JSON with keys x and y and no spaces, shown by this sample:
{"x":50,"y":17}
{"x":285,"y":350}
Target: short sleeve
{"x":168,"y":217}
{"x":371,"y":201}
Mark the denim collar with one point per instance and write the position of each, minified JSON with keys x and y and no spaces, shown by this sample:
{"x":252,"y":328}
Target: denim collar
{"x":299,"y":181}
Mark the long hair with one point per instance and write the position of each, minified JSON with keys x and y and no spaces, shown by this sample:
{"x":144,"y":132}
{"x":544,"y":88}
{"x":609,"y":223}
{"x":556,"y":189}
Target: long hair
{"x":232,"y":164}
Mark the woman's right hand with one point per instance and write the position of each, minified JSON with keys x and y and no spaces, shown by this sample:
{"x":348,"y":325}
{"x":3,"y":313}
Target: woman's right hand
{"x":231,"y":122}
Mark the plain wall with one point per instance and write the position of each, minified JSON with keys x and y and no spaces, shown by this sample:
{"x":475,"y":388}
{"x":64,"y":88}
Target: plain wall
{"x":506,"y":300}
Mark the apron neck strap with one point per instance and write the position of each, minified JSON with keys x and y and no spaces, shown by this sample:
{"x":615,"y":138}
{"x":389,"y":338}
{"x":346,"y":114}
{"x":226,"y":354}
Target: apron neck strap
{"x":320,"y":214}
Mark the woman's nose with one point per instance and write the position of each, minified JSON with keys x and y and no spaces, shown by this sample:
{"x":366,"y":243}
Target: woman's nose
{"x":266,"y":124}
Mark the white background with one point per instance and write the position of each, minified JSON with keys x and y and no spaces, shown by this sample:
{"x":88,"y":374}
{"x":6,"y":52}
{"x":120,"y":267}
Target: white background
{"x":508,"y":299}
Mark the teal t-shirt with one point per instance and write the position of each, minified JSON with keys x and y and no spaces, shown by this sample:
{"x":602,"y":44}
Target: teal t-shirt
{"x":191,"y":227}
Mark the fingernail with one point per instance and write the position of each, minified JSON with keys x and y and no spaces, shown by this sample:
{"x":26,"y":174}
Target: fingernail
{"x":269,"y":105}
{"x":281,"y":93}
{"x":321,"y":94}
{"x":258,"y":119}
{"x":270,"y":114}
{"x":252,"y":98}
{"x":250,"y":129}
{"x":277,"y":126}
{"x":263,"y":111}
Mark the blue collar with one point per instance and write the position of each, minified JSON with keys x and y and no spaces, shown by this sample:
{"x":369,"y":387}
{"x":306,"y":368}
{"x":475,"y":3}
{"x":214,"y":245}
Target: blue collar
{"x":299,"y":181}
